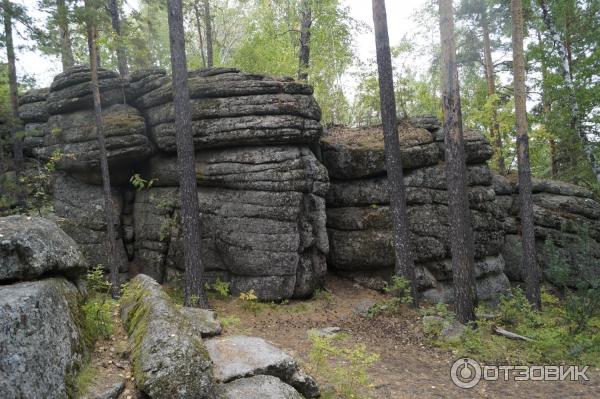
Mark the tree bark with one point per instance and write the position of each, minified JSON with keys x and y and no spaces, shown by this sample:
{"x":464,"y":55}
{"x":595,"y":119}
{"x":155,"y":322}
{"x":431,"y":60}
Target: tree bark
{"x":529,"y":263}
{"x":208,"y":34}
{"x":572,"y":100}
{"x":66,"y":47}
{"x":186,"y":164}
{"x":491,"y":91}
{"x":461,"y":246}
{"x":305,"y":40}
{"x":200,"y":38}
{"x":111,"y":246}
{"x":115,"y":16}
{"x":14,"y":123}
{"x":401,"y":240}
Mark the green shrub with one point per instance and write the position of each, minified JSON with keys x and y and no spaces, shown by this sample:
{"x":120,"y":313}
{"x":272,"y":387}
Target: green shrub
{"x":98,"y":307}
{"x":344,"y":367}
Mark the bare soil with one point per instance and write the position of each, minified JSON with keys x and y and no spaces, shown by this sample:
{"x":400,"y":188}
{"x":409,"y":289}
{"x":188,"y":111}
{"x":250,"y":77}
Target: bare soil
{"x":408,"y":367}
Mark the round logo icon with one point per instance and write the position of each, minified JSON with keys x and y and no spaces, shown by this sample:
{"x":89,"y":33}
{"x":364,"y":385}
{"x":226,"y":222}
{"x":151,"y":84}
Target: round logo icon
{"x":465,"y":373}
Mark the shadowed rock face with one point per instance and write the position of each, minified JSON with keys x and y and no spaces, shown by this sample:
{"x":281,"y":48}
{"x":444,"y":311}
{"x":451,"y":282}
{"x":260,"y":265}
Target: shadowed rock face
{"x":358,"y":222}
{"x":565,"y":214}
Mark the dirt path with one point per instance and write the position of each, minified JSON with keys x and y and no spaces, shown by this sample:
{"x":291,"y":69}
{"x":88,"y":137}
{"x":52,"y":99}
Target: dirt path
{"x":110,"y":368}
{"x":408,"y":367}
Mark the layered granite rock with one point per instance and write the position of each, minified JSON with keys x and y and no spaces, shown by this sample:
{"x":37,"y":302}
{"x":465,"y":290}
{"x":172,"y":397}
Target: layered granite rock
{"x":33,"y":111}
{"x":358,"y":222}
{"x":564,"y":214}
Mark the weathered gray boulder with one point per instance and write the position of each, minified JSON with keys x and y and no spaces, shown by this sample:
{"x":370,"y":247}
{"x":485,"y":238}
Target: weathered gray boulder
{"x":73,"y":135}
{"x":32,"y":106}
{"x":259,"y":387}
{"x":358,"y":153}
{"x":168,"y":357}
{"x":31,"y":247}
{"x":241,"y":357}
{"x":41,"y":345}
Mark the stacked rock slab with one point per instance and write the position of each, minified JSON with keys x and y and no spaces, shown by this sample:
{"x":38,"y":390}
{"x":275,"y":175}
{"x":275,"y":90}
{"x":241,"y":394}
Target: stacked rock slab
{"x":261,"y":189}
{"x":41,"y":343}
{"x":33,"y":112}
{"x":565,"y":214}
{"x":358,"y":222}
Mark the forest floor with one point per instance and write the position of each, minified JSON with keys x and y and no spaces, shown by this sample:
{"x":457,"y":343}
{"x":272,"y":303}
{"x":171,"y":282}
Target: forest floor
{"x":408,"y":365}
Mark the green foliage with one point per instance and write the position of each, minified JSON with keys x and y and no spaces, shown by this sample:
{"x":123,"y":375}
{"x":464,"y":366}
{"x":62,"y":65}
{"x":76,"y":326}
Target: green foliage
{"x":554,"y":339}
{"x":249,"y":301}
{"x":140,"y":183}
{"x":98,"y":306}
{"x":221,"y":289}
{"x":346,"y":368}
{"x":400,"y":289}
{"x":84,"y":379}
{"x":230,"y":321}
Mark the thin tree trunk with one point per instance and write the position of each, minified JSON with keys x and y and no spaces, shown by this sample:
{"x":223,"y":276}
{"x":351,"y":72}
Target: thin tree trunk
{"x":491,"y":91}
{"x":528,"y":260}
{"x":66,"y":48}
{"x":461,"y":245}
{"x":200,"y":38}
{"x":401,"y":240}
{"x":186,"y":164}
{"x":547,"y":108}
{"x":14,"y":122}
{"x":305,"y":40}
{"x":121,"y":50}
{"x":208,"y":34}
{"x":572,"y":100}
{"x":111,"y":246}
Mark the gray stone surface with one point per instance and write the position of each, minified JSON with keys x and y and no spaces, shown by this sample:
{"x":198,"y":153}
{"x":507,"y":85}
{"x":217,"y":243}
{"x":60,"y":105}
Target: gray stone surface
{"x":41,"y":345}
{"x":31,"y":247}
{"x":238,"y":357}
{"x":259,"y":387}
{"x":169,"y":359}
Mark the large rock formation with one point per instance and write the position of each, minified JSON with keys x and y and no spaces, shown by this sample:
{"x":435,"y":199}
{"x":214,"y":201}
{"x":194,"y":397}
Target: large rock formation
{"x":261,"y":189}
{"x":358,"y":220}
{"x":41,"y":342}
{"x":565,"y":214}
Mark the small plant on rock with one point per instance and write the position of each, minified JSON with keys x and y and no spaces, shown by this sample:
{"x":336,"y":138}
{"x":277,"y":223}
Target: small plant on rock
{"x":98,"y":306}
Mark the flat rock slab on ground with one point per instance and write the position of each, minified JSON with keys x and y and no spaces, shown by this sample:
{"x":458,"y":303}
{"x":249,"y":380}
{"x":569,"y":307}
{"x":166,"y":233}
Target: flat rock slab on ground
{"x":241,"y":356}
{"x":260,"y":387}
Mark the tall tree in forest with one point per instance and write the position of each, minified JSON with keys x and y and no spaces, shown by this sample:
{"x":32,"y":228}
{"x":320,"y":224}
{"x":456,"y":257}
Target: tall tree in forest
{"x":461,"y":244}
{"x":200,"y":34}
{"x":186,"y":164}
{"x":304,"y":55}
{"x":8,"y":12}
{"x":528,"y":261}
{"x":111,"y":247}
{"x":115,"y":17}
{"x":401,"y":240}
{"x":208,"y":34}
{"x":66,"y":47}
{"x":567,"y":75}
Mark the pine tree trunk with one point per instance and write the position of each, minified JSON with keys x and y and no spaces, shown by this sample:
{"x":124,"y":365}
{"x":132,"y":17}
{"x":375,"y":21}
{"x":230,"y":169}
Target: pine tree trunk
{"x":14,"y":122}
{"x":121,"y":50}
{"x":200,"y":36}
{"x":491,"y":91}
{"x":461,"y":245}
{"x":572,"y":100}
{"x":111,"y":244}
{"x":401,"y":240}
{"x":208,"y":34}
{"x":529,"y":263}
{"x":304,"y":56}
{"x":66,"y":48}
{"x":546,"y":109}
{"x":186,"y":164}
